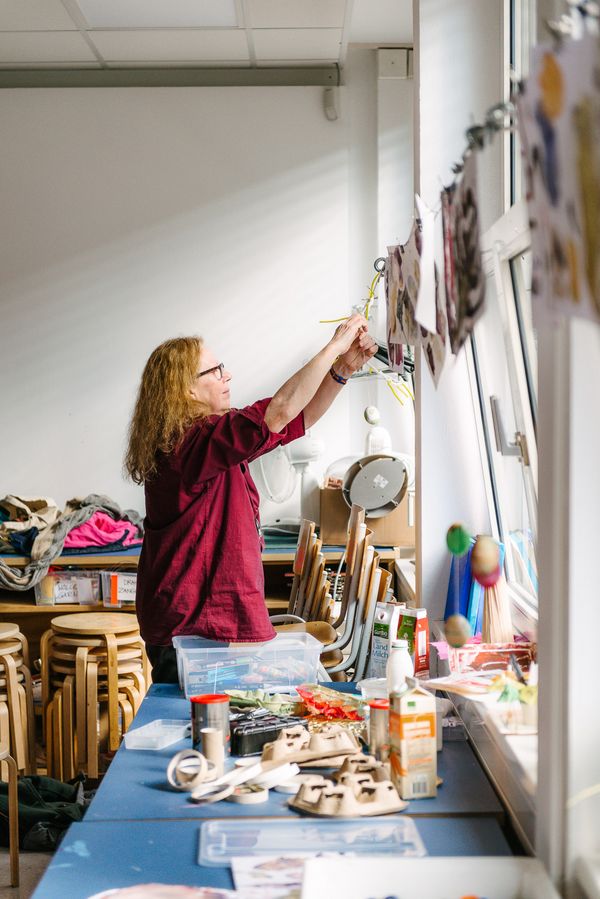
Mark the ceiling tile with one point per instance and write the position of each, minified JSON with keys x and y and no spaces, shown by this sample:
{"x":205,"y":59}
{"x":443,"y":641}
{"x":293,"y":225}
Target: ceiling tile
{"x":171,"y":46}
{"x":34,"y":15}
{"x":381,"y":22}
{"x":43,"y":47}
{"x":158,"y":13}
{"x":298,"y":43}
{"x":296,"y":13}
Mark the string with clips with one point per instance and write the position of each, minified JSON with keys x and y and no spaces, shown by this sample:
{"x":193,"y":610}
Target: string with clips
{"x":478,"y":135}
{"x":399,"y":388}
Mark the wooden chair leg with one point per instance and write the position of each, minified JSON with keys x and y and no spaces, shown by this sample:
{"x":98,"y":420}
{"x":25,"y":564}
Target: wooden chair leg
{"x":16,"y":725}
{"x":13,"y":818}
{"x":133,"y":697}
{"x":48,"y":715}
{"x":67,"y":728}
{"x":24,"y":650}
{"x":112,"y":676}
{"x":126,"y":713}
{"x":81,"y":664}
{"x":30,"y":720}
{"x":23,"y":713}
{"x":4,"y":735}
{"x":92,"y":718}
{"x":45,"y":644}
{"x":57,"y":752}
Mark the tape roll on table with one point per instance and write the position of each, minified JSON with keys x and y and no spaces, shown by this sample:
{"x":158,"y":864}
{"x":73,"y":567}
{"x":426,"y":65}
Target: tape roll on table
{"x":249,"y":794}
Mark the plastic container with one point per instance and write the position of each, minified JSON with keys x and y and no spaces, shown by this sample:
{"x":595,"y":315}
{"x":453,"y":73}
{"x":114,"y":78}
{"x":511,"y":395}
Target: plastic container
{"x":157,"y":734}
{"x":207,"y":666}
{"x":73,"y":587}
{"x":118,"y":588}
{"x":399,"y":667}
{"x":222,"y":840}
{"x":373,"y":688}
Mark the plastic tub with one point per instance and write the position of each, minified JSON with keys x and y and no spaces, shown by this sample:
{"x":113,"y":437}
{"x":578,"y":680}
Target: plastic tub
{"x":373,"y":688}
{"x":222,"y":840}
{"x":206,"y":666}
{"x":157,"y":734}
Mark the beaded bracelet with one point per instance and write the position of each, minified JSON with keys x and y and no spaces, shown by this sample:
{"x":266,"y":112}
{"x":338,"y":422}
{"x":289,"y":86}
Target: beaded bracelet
{"x":337,"y":377}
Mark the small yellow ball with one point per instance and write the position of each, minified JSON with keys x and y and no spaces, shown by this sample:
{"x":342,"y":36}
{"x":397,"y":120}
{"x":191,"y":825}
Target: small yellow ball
{"x":485,"y":557}
{"x":457,"y":630}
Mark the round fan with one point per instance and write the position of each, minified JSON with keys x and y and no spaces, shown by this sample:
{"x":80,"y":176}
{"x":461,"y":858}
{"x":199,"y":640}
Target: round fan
{"x":377,"y":483}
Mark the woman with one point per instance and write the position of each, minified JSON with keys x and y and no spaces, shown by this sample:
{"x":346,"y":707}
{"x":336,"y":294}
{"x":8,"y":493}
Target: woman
{"x":200,"y":569}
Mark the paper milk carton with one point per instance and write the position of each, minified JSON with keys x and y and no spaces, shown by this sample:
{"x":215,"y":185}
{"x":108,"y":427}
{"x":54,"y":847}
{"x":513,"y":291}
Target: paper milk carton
{"x":414,"y":627}
{"x":413,"y":753}
{"x":385,"y":629}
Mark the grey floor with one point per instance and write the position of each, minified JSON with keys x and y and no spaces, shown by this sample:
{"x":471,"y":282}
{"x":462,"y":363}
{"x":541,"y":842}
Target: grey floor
{"x":32,"y":865}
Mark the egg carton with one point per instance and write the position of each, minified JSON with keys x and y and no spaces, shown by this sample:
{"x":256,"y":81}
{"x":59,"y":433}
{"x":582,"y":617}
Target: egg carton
{"x":353,"y":796}
{"x":328,"y":747}
{"x":363,"y":764}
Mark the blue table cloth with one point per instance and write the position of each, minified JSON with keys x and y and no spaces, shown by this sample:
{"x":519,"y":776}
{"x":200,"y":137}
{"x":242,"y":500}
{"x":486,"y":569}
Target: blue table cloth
{"x":135,"y":786}
{"x":104,"y":855}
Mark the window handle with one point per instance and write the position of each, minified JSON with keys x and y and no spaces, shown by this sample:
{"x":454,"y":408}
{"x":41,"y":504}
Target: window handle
{"x":519,"y":447}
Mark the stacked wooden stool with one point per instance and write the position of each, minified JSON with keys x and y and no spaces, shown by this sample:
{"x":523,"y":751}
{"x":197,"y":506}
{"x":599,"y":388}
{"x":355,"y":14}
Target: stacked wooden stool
{"x":17,"y":726}
{"x":95,"y":673}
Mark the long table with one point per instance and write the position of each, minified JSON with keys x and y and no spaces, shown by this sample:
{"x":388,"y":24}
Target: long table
{"x":138,"y":831}
{"x":140,"y":776}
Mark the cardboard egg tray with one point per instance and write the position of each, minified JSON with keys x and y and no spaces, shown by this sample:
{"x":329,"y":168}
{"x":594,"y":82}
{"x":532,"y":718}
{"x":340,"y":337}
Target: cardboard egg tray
{"x":328,"y":748}
{"x":353,"y":796}
{"x":363,"y":764}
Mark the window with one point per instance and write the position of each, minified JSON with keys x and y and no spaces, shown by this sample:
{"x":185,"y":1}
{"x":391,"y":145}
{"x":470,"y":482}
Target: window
{"x":504,"y":374}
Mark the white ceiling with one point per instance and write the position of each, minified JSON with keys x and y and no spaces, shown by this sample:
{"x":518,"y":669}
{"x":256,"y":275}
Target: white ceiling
{"x":100,"y":34}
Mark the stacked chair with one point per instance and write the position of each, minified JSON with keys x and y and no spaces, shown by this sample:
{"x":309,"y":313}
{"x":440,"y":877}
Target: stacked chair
{"x":346,"y":641}
{"x":9,"y":773}
{"x":95,"y":674}
{"x":17,"y":726}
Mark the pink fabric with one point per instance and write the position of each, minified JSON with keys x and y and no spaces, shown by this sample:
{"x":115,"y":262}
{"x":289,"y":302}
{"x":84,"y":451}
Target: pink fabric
{"x":102,"y":530}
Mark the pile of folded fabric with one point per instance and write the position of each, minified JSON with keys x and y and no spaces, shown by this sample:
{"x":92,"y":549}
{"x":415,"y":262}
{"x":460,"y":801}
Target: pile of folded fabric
{"x":37,"y":528}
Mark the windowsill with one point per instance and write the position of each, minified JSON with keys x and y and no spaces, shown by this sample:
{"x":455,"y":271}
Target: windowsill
{"x":509,"y":759}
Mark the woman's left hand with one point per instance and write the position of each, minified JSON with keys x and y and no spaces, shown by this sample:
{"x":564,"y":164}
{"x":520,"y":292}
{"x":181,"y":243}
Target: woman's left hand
{"x":363,"y":349}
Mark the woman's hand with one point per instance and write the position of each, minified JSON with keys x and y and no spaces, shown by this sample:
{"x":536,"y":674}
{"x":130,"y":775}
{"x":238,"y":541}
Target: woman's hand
{"x":346,"y":333}
{"x":362,"y":349}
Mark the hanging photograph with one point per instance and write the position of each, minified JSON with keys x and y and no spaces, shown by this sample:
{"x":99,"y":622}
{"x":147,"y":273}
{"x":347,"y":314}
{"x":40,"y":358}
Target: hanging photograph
{"x":409,"y":255}
{"x":429,"y":312}
{"x":463,"y":269}
{"x":434,"y":343}
{"x":559,"y":123}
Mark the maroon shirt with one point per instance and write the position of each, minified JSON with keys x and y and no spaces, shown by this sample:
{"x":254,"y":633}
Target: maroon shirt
{"x":200,"y":569}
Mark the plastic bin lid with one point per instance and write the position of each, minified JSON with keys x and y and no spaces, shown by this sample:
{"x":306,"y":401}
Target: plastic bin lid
{"x":220,"y":841}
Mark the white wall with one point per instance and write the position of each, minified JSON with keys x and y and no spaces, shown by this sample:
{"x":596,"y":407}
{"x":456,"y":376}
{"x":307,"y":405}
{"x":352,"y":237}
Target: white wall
{"x":132,"y":215}
{"x":458,"y":75}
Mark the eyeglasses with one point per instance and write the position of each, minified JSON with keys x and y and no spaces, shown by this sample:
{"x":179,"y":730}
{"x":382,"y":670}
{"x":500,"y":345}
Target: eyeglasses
{"x":217,"y":369}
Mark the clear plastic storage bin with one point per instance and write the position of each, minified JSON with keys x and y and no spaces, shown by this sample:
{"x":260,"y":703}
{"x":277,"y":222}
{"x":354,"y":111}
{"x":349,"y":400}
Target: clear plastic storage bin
{"x":220,"y":841}
{"x":71,"y":587}
{"x":157,"y":734}
{"x":206,"y":666}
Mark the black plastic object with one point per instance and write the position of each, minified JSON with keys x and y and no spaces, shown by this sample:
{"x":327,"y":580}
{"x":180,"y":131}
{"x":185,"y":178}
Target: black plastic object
{"x":251,"y":730}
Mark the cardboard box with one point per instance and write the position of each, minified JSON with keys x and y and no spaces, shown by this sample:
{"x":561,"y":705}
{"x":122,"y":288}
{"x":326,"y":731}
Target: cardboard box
{"x":390,"y":530}
{"x":413,"y":749}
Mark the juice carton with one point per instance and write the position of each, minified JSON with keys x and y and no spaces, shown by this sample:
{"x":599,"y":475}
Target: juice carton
{"x":413,"y":753}
{"x":414,"y":627}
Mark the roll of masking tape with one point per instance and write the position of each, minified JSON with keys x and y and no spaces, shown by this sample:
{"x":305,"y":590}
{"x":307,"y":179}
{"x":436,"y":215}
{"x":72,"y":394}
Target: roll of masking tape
{"x":188,"y":769}
{"x":249,"y":794}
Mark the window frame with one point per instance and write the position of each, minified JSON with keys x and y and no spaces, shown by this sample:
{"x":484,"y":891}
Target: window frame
{"x":507,"y":238}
